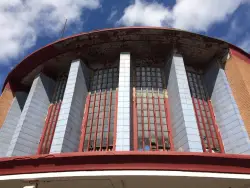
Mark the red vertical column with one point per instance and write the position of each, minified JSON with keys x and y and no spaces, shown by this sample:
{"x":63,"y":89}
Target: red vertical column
{"x":115,"y":123}
{"x":142,"y":120}
{"x":39,"y":151}
{"x":156,"y":134}
{"x":109,"y":117}
{"x":216,"y":128}
{"x":90,"y":132}
{"x":53,"y":127}
{"x":97,"y":121}
{"x":199,"y":126}
{"x":103,"y":120}
{"x":162,"y":134}
{"x":170,"y":136}
{"x":135,"y":126}
{"x":84,"y":123}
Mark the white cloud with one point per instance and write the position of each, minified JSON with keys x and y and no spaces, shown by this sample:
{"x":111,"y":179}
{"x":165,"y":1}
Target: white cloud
{"x":144,"y":13}
{"x":112,"y":15}
{"x":22,"y":21}
{"x":194,"y":15}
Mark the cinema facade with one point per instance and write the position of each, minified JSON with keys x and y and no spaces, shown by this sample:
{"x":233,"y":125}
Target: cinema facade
{"x":128,"y":107}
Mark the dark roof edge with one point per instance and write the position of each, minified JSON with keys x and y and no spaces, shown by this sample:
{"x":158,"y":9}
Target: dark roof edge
{"x":241,"y":51}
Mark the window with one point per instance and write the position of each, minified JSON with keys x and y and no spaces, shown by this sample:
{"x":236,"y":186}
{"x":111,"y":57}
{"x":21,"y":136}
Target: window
{"x":210,"y":137}
{"x":150,"y":110}
{"x":52,"y":116}
{"x":101,"y":109}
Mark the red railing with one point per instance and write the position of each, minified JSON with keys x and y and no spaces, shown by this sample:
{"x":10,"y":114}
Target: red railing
{"x":94,"y":136}
{"x":208,"y":129}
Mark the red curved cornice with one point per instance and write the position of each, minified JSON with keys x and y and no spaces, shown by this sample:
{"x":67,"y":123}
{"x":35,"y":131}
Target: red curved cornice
{"x":177,"y":161}
{"x":49,"y":51}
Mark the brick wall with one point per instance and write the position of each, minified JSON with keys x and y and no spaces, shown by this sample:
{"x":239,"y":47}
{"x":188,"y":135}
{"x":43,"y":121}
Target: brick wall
{"x":228,"y":118}
{"x":238,"y":75}
{"x":5,"y":102}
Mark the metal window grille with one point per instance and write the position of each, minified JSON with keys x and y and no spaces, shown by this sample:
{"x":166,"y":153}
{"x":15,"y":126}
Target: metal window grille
{"x":52,"y":116}
{"x":209,"y":134}
{"x":99,"y":121}
{"x":151,"y":119}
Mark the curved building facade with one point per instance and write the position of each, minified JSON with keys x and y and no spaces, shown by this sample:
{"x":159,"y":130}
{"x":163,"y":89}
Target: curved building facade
{"x":112,"y":107}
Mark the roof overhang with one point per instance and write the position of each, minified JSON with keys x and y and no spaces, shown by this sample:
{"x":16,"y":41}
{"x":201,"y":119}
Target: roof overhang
{"x":94,"y":44}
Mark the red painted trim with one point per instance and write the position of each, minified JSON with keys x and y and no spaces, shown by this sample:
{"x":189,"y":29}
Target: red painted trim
{"x":149,"y":128}
{"x":161,"y":124}
{"x":54,"y":126}
{"x":84,"y":124}
{"x":209,"y":125}
{"x":170,"y":133}
{"x":135,"y":125}
{"x":49,"y":128}
{"x":216,"y":128}
{"x":156,"y":131}
{"x":90,"y":161}
{"x":115,"y":124}
{"x":240,"y":55}
{"x":103,"y":118}
{"x":90,"y":132}
{"x":110,"y":104}
{"x":39,"y":150}
{"x":97,"y":122}
{"x":198,"y":123}
{"x":142,"y":122}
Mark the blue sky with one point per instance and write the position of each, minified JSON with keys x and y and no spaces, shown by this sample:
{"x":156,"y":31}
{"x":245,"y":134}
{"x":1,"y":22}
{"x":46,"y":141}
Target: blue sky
{"x":27,"y":25}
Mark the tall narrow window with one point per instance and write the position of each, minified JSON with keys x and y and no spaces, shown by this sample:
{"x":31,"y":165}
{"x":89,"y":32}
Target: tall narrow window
{"x":152,"y":129}
{"x":100,"y":112}
{"x":209,"y":134}
{"x":52,"y":116}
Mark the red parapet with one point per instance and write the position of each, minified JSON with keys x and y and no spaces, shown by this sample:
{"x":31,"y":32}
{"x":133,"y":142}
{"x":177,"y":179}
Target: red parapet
{"x":132,"y":160}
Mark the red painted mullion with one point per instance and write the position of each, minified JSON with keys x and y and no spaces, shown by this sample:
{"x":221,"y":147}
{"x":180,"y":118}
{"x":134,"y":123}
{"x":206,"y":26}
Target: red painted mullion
{"x":135,"y":125}
{"x":149,"y":131}
{"x":204,"y":126}
{"x":84,"y":124}
{"x":170,"y":136}
{"x":90,"y":132}
{"x":199,"y":126}
{"x":49,"y":127}
{"x":142,"y":121}
{"x":162,"y":133}
{"x":54,"y":127}
{"x":97,"y":121}
{"x":45,"y":130}
{"x":110,"y":103}
{"x":216,"y":127}
{"x":209,"y":124}
{"x":104,"y":107}
{"x":156,"y":134}
{"x":115,"y":123}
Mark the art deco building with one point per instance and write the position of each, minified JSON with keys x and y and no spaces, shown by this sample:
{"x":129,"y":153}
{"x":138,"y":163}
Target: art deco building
{"x":128,"y":107}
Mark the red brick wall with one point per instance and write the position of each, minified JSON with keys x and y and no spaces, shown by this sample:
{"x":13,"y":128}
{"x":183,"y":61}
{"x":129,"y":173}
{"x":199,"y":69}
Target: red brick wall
{"x":238,"y":73}
{"x":5,"y":102}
